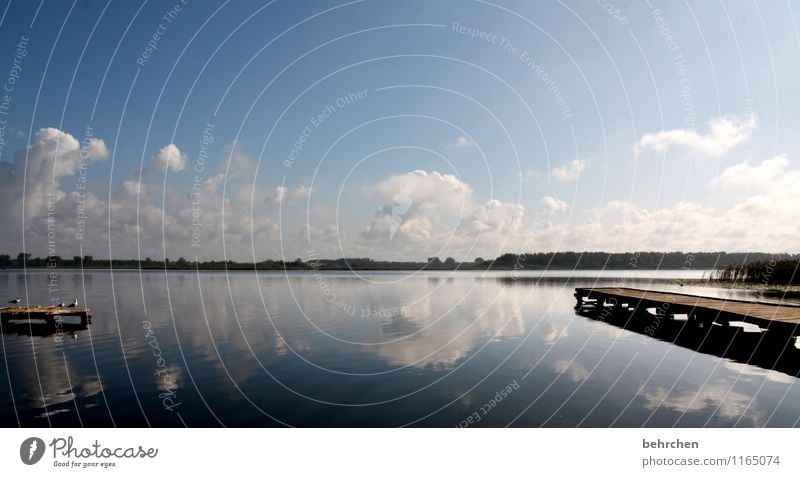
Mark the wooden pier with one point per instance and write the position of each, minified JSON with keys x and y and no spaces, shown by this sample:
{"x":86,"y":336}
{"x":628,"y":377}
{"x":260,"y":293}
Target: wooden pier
{"x":50,"y":314}
{"x":699,"y":309}
{"x":707,"y":327}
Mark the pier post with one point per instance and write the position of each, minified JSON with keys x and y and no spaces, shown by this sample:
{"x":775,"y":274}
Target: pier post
{"x":696,"y":320}
{"x":600,"y":304}
{"x":578,"y":297}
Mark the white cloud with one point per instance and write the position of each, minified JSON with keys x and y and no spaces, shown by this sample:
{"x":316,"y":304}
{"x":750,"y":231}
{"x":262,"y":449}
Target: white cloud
{"x":419,"y":214}
{"x":95,"y":149}
{"x":461,"y":143}
{"x":570,"y":172}
{"x":551,"y":205}
{"x":763,"y":176}
{"x":724,"y":133}
{"x":430,"y":190}
{"x":133,"y":219}
{"x":428,"y":213}
{"x":494,"y":218}
{"x":53,"y":156}
{"x":277,"y":194}
{"x":169,"y":157}
{"x":415,"y":205}
{"x":765,"y":219}
{"x":282,"y":193}
{"x":300,"y":192}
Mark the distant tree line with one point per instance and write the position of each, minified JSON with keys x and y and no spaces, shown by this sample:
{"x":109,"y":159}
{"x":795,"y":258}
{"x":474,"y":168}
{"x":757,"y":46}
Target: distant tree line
{"x":734,"y":266}
{"x":24,"y":259}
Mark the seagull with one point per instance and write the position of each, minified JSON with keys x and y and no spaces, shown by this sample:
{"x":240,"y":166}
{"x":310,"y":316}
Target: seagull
{"x":15,"y":301}
{"x":73,"y":304}
{"x":61,"y":304}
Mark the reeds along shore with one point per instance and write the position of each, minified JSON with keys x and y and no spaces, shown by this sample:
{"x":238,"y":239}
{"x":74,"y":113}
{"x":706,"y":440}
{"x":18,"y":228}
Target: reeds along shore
{"x":771,"y":272}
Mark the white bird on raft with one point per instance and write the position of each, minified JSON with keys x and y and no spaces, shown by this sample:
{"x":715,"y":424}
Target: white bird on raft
{"x":73,"y":304}
{"x":15,"y":301}
{"x":61,"y":304}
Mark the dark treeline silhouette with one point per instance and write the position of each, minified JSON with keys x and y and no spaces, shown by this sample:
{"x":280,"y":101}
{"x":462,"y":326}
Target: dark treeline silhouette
{"x":767,"y":272}
{"x":627,"y":261}
{"x":728,"y":266}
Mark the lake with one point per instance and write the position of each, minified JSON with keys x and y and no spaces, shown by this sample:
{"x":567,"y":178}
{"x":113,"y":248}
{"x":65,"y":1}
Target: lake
{"x":443,"y":349}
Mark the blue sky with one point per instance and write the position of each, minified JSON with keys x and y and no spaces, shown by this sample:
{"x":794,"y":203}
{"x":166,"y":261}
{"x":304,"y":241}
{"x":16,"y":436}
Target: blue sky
{"x":455,"y":128}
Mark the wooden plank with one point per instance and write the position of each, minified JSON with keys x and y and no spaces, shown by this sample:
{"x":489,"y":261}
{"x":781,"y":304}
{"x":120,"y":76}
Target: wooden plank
{"x":47,"y":313}
{"x":42,"y":309}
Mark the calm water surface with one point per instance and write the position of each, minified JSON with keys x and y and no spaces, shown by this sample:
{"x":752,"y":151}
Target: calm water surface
{"x":369,"y":349}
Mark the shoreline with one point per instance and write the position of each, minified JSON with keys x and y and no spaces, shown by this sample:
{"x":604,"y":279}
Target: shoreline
{"x":771,"y":290}
{"x":251,"y":268}
{"x":764,"y":289}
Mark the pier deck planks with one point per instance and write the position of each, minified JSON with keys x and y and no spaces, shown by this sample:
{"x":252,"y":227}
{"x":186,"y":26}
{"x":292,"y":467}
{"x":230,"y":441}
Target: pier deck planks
{"x":762,"y":314}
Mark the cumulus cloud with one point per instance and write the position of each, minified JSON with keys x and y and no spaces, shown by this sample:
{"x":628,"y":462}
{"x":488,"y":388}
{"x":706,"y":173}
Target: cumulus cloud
{"x":569,"y":172}
{"x":762,"y":176}
{"x":427,"y":213}
{"x":169,"y":158}
{"x":38,"y":183}
{"x":55,"y":201}
{"x":57,"y":153}
{"x":416,"y":205}
{"x":433,"y":213}
{"x":415,"y":215}
{"x":723,"y":134}
{"x":493,"y":219}
{"x":461,"y":143}
{"x":95,"y":149}
{"x":300,"y":192}
{"x":282,"y":193}
{"x":277,"y":194}
{"x":426,"y":190}
{"x":551,"y":205}
{"x":765,"y":218}
{"x":31,"y":183}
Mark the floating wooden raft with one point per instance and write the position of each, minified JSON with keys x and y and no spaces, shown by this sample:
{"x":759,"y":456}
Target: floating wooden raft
{"x":46,"y":313}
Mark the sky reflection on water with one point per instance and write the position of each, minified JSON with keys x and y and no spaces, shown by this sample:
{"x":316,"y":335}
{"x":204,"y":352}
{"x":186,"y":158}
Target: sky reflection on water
{"x":383,"y":349}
